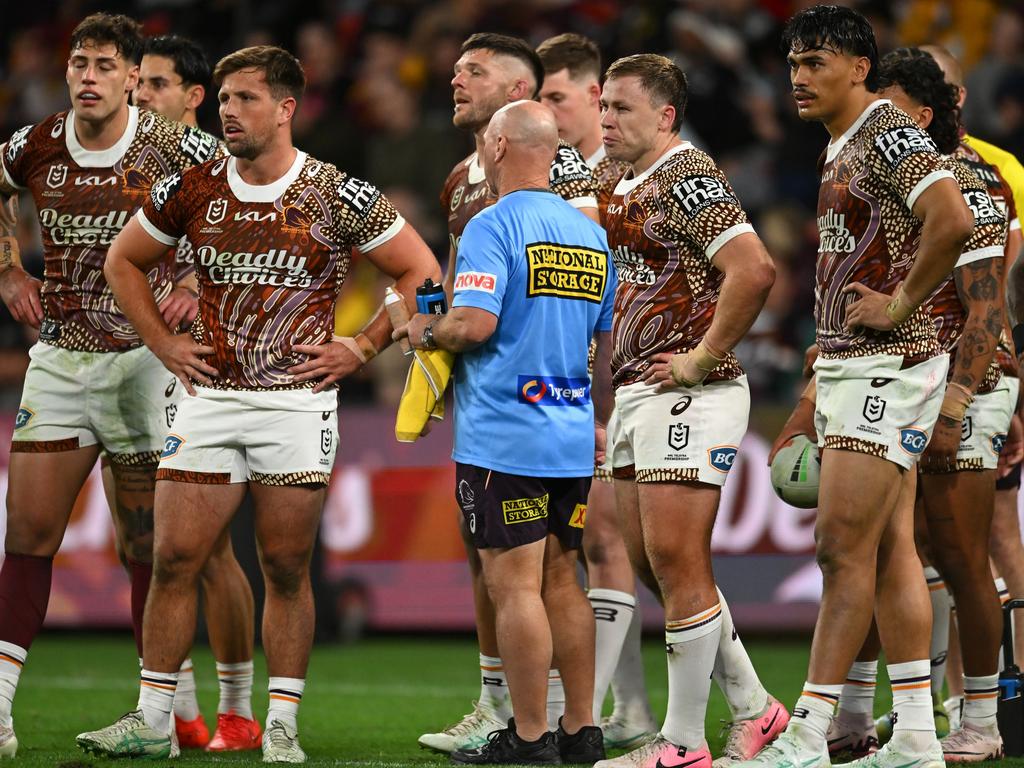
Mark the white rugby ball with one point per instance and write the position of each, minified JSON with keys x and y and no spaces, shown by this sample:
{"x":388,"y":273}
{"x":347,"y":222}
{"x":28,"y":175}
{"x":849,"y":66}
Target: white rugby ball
{"x":796,"y":472}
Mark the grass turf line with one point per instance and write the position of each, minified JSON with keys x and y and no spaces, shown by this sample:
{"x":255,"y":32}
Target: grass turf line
{"x":364,"y":704}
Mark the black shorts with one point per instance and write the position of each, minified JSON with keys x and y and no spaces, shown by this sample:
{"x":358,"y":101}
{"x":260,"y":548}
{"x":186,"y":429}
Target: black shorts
{"x":1011,"y":481}
{"x":504,"y":511}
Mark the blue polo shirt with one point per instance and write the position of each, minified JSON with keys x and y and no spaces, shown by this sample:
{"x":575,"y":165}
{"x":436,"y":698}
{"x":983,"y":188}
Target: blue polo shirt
{"x":522,"y":399}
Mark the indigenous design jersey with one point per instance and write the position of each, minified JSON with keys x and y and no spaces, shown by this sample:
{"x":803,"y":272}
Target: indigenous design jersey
{"x":664,"y":227}
{"x":607,"y":173}
{"x":1001,"y":192}
{"x":269,"y":259}
{"x":84,"y":198}
{"x":465,"y":191}
{"x":872,"y":177}
{"x":987,"y":242}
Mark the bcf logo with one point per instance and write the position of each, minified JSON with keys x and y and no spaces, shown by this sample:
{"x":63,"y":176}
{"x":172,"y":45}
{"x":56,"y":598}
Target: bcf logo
{"x":172,"y":443}
{"x":913,"y":440}
{"x":998,"y":441}
{"x":722,"y":457}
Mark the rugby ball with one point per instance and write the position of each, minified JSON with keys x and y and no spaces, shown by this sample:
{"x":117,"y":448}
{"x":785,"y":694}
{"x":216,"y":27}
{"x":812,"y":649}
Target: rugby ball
{"x":796,"y":470}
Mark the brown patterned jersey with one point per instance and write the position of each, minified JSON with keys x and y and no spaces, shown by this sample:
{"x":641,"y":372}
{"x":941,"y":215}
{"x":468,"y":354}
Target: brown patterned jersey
{"x":664,"y":226}
{"x":465,"y":191}
{"x":269,"y":260}
{"x":872,"y":177}
{"x":607,"y":173}
{"x":987,"y":242}
{"x":1002,"y":195}
{"x":84,"y":198}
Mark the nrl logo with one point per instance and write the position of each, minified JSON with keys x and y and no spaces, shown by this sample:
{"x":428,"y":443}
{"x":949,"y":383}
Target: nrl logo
{"x":57,"y":176}
{"x":216,"y":211}
{"x":678,"y":436}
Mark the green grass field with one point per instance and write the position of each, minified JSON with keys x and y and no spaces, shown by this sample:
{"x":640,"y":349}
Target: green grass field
{"x":365,"y":704}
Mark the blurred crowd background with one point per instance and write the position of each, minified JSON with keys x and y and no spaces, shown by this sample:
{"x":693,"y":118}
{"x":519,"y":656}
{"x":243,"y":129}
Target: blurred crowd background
{"x":379,"y":105}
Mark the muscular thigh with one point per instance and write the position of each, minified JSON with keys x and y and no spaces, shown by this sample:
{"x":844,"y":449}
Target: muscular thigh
{"x":856,"y":500}
{"x":286,"y":519}
{"x":190,"y":517}
{"x":133,"y":496}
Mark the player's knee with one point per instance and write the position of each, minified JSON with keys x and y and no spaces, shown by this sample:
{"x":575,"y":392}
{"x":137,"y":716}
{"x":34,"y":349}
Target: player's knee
{"x":25,"y":538}
{"x":835,"y":558}
{"x":174,"y":562}
{"x":137,"y":546}
{"x":286,"y":573}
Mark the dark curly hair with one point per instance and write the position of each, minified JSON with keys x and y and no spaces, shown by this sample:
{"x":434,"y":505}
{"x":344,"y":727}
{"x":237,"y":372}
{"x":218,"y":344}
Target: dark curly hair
{"x":833,"y":28}
{"x":919,"y":75}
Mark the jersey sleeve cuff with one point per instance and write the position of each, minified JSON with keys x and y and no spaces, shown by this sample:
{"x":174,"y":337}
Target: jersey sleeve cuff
{"x":7,"y":177}
{"x":734,"y":231}
{"x":926,"y":182}
{"x":477,"y":300}
{"x":152,"y":231}
{"x":1015,"y":224}
{"x":583,"y":202}
{"x":989,"y":252}
{"x":393,"y":229}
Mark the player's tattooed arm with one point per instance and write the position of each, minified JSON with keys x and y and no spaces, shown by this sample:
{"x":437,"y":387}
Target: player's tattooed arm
{"x":18,"y":289}
{"x":978,"y":285}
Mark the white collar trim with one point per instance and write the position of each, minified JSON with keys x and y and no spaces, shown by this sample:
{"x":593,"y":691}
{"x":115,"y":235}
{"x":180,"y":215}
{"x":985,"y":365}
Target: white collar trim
{"x":627,"y":184}
{"x":102,"y":158}
{"x":836,"y":145}
{"x":263,"y":193}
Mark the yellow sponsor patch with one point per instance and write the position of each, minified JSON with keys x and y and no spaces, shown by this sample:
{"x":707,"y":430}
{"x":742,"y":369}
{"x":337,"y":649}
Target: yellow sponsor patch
{"x":570,"y":272}
{"x":524,"y":510}
{"x":579,"y":516}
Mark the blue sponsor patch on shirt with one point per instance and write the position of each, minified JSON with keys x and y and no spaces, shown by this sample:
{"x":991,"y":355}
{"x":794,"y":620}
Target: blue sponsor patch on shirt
{"x":552,"y":390}
{"x":913,"y":440}
{"x":998,"y":441}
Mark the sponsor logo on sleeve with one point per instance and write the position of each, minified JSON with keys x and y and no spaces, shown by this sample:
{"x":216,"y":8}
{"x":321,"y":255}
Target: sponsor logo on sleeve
{"x":553,"y":390}
{"x":579,"y":516}
{"x":524,"y":510}
{"x":172,"y":444}
{"x":998,"y":441}
{"x":913,"y":440}
{"x":983,"y":208}
{"x":198,"y":145}
{"x":24,"y":417}
{"x":897,"y":144}
{"x":568,"y":165}
{"x":695,"y":193}
{"x":721,"y":457}
{"x":359,"y":195}
{"x":476,"y":281}
{"x":17,"y":143}
{"x":568,"y":272}
{"x":164,"y":190}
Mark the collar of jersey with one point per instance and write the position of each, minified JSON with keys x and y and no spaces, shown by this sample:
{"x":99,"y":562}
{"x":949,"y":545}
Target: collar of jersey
{"x":263,"y":193}
{"x":475,"y":171}
{"x":597,"y":157}
{"x":103,"y":158}
{"x":836,"y":146}
{"x":626,"y":185}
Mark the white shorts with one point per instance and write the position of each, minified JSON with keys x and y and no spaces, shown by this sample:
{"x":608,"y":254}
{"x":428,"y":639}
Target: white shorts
{"x":680,"y":435}
{"x":870,"y":405}
{"x":984,"y":428}
{"x":123,"y":401}
{"x":273,"y":438}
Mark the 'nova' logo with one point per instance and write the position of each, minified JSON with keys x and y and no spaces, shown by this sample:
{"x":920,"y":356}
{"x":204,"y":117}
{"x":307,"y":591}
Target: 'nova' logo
{"x":913,"y":440}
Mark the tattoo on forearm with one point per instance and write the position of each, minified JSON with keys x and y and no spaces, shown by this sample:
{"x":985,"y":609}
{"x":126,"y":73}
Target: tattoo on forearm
{"x":8,"y":229}
{"x":977,"y":285}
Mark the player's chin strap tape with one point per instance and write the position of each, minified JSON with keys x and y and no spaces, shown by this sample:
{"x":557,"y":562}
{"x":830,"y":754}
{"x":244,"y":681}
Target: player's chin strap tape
{"x":957,"y":400}
{"x":900,"y":308}
{"x":691,"y":368}
{"x":360,"y":346}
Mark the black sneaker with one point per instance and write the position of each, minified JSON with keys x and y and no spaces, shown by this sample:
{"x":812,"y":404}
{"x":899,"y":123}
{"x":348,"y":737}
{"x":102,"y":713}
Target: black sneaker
{"x":584,"y":746}
{"x":505,"y":746}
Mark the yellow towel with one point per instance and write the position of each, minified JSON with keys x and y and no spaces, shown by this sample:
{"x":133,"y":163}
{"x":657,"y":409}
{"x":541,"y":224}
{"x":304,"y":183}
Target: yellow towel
{"x":423,"y":397}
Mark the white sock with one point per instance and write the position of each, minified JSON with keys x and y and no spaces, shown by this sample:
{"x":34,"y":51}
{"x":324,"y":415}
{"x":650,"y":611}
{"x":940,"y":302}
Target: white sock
{"x":285,"y":696}
{"x":185,"y":705}
{"x":813,"y":713}
{"x":939,"y":647}
{"x":156,"y":699}
{"x":858,"y":696}
{"x":556,"y":699}
{"x":629,"y":689}
{"x":911,"y":696}
{"x":494,"y":687}
{"x":980,"y":697}
{"x":613,"y":611}
{"x":692,"y":644}
{"x":12,"y":659}
{"x":735,"y":673}
{"x":235,"y":681}
{"x":1003,"y":590}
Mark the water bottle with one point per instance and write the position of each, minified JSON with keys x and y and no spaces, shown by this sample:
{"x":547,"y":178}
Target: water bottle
{"x":430,"y":298}
{"x":1010,"y":711}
